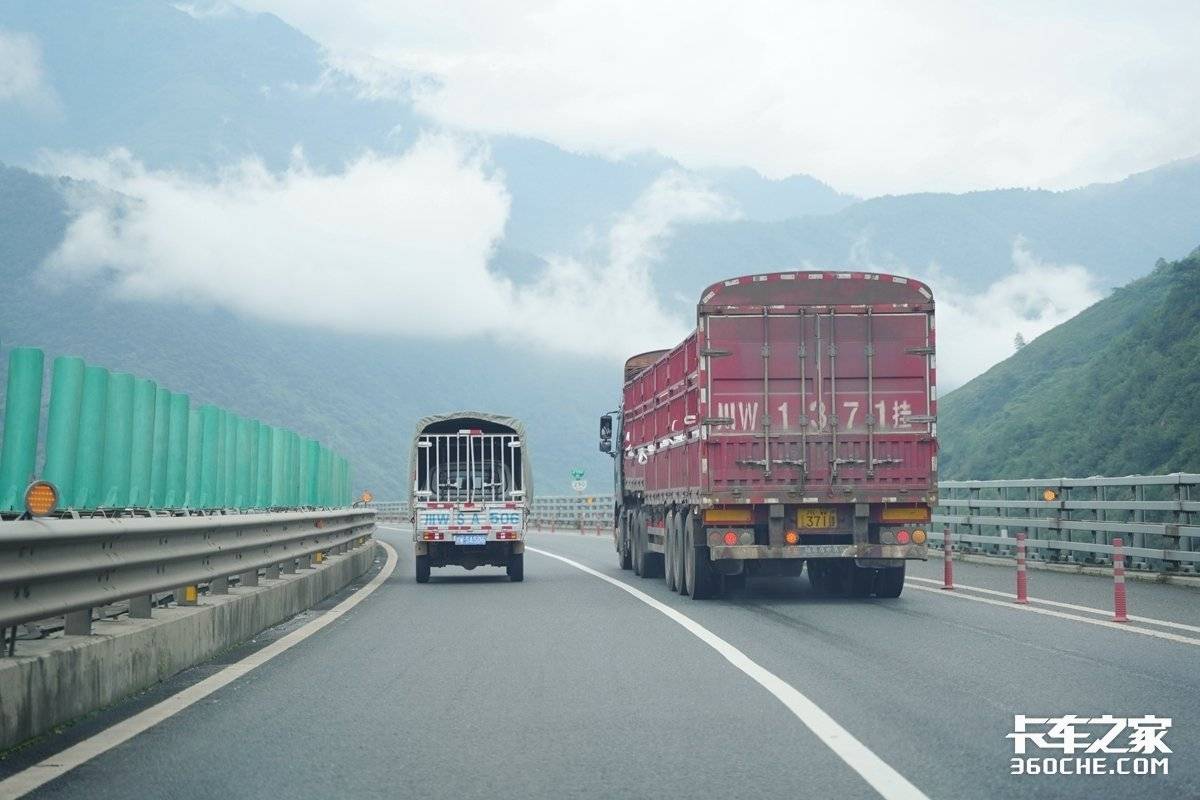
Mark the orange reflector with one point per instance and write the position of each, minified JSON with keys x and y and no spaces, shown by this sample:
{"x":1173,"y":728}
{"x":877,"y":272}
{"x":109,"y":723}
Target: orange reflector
{"x":41,"y":498}
{"x":726,"y":516}
{"x":731,"y":538}
{"x":918,"y":536}
{"x":905,"y":514}
{"x":791,"y":537}
{"x":1049,"y":495}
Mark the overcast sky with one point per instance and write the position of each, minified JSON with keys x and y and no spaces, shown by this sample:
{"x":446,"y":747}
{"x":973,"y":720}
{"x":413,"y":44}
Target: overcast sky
{"x":872,"y":96}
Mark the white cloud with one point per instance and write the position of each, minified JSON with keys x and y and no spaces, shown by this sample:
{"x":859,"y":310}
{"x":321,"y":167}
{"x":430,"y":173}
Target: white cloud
{"x":872,"y":96}
{"x":22,"y":76}
{"x":390,"y":245}
{"x":977,"y":331}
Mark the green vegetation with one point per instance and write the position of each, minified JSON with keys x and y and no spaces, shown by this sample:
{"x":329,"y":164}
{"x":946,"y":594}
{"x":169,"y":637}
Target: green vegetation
{"x":1111,"y":392}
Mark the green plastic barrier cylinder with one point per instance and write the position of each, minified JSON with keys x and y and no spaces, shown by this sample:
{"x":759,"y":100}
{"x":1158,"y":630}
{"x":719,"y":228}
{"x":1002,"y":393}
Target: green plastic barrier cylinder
{"x":242,"y":464}
{"x":89,"y":452}
{"x":142,"y":460}
{"x":22,"y":412}
{"x":209,"y":452}
{"x":312,"y":455}
{"x":178,"y":430}
{"x":252,"y":465}
{"x":262,"y":482}
{"x":195,"y":459}
{"x":323,"y":482}
{"x":218,"y":496}
{"x":230,"y":463}
{"x":62,"y":426}
{"x":158,"y":448}
{"x":118,"y":442}
{"x":278,"y":465}
{"x":294,"y":460}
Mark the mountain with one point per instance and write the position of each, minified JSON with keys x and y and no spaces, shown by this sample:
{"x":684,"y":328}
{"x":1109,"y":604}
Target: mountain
{"x":965,"y":239}
{"x":1110,"y":392}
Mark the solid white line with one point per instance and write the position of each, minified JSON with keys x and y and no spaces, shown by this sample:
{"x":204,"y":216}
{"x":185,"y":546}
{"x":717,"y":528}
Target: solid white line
{"x":63,"y":762}
{"x":1117,"y":626}
{"x":1105,"y":612}
{"x":889,"y":783}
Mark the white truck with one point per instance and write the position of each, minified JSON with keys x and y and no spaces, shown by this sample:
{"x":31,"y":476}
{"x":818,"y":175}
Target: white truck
{"x":472,"y":487}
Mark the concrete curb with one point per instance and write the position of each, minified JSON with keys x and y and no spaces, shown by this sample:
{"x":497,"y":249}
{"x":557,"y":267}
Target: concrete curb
{"x":1191,"y":582}
{"x":52,"y":681}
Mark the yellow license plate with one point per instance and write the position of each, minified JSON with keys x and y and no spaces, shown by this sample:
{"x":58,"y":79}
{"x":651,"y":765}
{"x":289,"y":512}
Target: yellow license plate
{"x":816,"y":518}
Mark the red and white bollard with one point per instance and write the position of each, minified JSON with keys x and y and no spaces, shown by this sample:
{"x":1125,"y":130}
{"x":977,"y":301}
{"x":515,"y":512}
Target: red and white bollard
{"x":1119,"y":610}
{"x":1022,"y":578}
{"x":947,"y":561}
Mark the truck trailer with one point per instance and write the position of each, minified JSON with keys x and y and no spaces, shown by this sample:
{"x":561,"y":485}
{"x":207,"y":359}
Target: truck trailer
{"x":796,"y":425}
{"x":472,"y":486}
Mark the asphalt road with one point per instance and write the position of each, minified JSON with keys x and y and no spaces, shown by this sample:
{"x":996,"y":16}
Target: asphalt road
{"x":564,"y":686}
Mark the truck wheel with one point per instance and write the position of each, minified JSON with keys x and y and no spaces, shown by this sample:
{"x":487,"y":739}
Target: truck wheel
{"x":623,"y":556}
{"x":516,"y":567}
{"x":669,"y":552}
{"x":697,"y":568}
{"x":422,"y":569}
{"x":890,"y":582}
{"x":635,"y":542}
{"x":861,"y":582}
{"x":818,"y":577}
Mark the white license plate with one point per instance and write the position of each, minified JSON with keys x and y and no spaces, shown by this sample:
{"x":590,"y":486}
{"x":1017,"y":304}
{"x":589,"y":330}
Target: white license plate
{"x":470,"y":538}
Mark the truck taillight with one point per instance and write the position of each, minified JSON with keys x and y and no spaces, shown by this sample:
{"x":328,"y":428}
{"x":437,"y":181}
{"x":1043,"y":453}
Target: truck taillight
{"x":433,"y":536}
{"x":731,"y":538}
{"x":902,"y":537}
{"x":918,"y":536}
{"x":791,"y":537}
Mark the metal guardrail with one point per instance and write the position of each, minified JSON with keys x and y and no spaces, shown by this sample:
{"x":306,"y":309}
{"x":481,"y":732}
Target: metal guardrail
{"x":1157,"y":517}
{"x":52,"y":567}
{"x":1154,"y":515}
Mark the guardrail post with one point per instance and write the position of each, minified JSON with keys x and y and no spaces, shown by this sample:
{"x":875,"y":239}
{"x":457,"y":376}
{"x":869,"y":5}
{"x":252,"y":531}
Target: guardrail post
{"x":271,"y":573}
{"x":139,"y":607}
{"x":249,"y":578}
{"x":62,"y":426}
{"x":89,"y":452}
{"x":304,"y":561}
{"x":78,"y":623}
{"x":22,"y":411}
{"x":219,"y":585}
{"x":947,"y":561}
{"x":1119,"y":609}
{"x":1022,"y":578}
{"x":288,"y":566}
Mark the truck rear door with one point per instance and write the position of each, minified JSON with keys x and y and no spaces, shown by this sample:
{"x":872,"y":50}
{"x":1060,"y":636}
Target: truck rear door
{"x":818,"y":396}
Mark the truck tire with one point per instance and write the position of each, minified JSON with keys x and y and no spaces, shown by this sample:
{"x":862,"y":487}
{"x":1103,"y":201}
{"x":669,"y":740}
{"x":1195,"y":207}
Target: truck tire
{"x":862,"y":581}
{"x":699,"y":576}
{"x":624,"y":557}
{"x":818,"y":577}
{"x":516,"y":567}
{"x":890,"y":582}
{"x":635,"y":541}
{"x":669,"y":565}
{"x":647,"y":564}
{"x":422,"y":564}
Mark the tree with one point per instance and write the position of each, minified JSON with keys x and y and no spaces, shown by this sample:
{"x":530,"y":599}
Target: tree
{"x":1018,"y":341}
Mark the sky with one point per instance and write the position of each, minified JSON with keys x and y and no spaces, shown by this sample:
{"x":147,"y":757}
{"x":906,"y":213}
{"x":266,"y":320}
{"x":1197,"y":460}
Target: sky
{"x":871,"y":96}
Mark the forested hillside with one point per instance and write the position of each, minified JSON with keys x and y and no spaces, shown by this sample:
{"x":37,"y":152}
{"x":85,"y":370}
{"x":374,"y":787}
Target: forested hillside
{"x":1111,"y":392}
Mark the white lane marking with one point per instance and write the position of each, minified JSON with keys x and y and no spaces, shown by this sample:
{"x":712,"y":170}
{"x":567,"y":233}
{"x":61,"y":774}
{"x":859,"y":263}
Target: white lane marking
{"x":63,"y":762}
{"x":1116,"y":626}
{"x":1162,"y":623}
{"x":889,"y":783}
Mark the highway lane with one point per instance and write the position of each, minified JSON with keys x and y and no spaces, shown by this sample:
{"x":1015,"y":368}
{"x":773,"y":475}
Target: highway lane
{"x":565,"y":686}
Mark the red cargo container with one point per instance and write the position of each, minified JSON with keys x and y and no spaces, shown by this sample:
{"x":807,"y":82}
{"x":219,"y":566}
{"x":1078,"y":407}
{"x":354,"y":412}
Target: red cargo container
{"x":795,"y":424}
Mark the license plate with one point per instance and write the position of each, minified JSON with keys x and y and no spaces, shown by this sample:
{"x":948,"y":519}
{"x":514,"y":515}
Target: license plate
{"x":470,"y":538}
{"x":816,"y":518}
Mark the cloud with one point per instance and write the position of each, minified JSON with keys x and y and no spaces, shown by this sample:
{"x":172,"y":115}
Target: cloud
{"x":871,"y":96}
{"x":22,"y":76}
{"x":976,"y":331}
{"x":389,"y":245}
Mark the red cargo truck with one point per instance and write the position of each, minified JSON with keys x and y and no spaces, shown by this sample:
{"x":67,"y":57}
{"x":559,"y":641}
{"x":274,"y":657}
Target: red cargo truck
{"x":795,"y":425}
